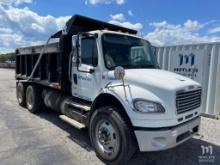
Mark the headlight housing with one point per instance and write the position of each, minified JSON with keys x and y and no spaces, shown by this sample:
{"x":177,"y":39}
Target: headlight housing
{"x":145,"y":106}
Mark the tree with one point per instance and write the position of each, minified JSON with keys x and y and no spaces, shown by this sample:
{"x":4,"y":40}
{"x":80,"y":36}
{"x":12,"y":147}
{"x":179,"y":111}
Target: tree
{"x":11,"y":57}
{"x":3,"y":58}
{"x":7,"y":57}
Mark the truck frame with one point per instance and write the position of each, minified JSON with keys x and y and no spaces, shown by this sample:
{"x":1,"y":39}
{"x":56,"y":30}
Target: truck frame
{"x":126,"y":107}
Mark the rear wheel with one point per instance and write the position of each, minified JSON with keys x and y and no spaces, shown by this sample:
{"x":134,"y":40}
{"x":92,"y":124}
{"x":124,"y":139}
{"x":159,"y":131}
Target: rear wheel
{"x":34,"y":101}
{"x":111,"y":136}
{"x":20,"y":92}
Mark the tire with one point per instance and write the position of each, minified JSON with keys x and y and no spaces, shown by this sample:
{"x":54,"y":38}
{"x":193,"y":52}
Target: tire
{"x":34,"y":101}
{"x":104,"y":139}
{"x":20,"y":93}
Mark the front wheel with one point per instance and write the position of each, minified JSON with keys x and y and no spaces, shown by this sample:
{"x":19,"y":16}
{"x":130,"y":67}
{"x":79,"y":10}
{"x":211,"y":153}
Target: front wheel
{"x":111,"y":136}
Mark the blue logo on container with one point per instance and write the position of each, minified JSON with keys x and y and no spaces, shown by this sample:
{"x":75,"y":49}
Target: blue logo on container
{"x":185,"y":59}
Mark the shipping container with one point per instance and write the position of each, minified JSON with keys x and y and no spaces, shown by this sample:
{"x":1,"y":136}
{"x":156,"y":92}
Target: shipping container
{"x":200,"y":62}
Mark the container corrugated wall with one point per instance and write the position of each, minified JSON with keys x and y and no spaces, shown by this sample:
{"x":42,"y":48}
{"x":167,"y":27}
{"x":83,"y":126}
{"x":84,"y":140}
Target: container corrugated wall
{"x":208,"y":66}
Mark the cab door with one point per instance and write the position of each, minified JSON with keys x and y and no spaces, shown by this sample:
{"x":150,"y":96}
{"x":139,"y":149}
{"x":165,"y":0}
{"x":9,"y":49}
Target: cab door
{"x":85,"y":73}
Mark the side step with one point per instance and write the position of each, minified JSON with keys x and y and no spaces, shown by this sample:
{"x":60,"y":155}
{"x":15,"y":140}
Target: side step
{"x":72,"y":122}
{"x":83,"y":107}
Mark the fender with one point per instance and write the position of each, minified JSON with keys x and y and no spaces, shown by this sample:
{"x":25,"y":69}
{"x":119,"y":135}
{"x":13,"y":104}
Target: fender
{"x":108,"y":98}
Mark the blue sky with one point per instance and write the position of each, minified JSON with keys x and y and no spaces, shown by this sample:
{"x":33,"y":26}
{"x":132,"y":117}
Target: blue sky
{"x":30,"y":22}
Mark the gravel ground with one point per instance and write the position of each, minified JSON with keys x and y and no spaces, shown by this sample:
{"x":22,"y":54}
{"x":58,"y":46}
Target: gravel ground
{"x":45,"y":139}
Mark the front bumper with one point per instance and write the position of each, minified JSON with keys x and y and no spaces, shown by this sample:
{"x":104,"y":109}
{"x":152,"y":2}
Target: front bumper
{"x":165,"y":138}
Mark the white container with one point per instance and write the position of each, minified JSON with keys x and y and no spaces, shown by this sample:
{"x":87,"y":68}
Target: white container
{"x":200,"y":62}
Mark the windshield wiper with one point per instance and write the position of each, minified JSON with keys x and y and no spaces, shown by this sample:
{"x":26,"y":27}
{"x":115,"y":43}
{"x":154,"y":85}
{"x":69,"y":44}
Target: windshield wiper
{"x":143,"y":66}
{"x":129,"y":66}
{"x":124,"y":66}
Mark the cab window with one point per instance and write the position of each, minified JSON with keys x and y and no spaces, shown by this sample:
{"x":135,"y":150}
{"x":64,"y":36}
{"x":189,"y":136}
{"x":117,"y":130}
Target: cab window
{"x":89,"y":52}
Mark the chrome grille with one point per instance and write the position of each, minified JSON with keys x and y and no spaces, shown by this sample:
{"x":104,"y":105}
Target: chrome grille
{"x":188,"y":100}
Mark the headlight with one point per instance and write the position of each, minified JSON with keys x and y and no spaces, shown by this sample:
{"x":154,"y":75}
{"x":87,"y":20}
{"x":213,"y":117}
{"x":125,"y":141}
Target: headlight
{"x":146,"y":106}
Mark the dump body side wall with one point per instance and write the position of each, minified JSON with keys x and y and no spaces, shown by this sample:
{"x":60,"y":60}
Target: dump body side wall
{"x":53,"y":66}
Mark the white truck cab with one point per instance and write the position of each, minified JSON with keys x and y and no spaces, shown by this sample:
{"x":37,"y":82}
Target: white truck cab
{"x":118,"y":92}
{"x":163,"y":107}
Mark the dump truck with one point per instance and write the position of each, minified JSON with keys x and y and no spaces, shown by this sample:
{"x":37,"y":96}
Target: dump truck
{"x":106,"y":79}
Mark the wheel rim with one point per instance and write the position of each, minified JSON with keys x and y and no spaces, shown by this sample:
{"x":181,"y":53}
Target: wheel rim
{"x":19,"y":94}
{"x":29,"y":99}
{"x":107,"y":138}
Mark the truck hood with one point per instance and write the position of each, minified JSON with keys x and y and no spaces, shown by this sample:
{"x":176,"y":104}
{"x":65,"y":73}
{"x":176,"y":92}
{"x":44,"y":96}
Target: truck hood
{"x":154,"y":85}
{"x":156,"y":78}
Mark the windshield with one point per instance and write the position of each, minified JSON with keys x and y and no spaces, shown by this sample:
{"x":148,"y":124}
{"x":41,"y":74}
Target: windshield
{"x":128,"y":52}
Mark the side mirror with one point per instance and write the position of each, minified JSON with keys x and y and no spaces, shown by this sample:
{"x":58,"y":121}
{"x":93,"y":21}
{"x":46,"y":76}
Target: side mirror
{"x":119,"y":73}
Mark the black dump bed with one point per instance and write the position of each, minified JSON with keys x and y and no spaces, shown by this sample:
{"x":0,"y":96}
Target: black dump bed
{"x":26,"y":59}
{"x":53,"y":67}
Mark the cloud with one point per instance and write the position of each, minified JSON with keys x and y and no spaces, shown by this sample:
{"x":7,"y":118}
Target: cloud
{"x":190,"y":31}
{"x":130,"y":13}
{"x":21,"y":27}
{"x":14,"y":2}
{"x":214,"y":30}
{"x":95,"y":2}
{"x":119,"y":19}
{"x":120,"y":2}
{"x":192,"y":25}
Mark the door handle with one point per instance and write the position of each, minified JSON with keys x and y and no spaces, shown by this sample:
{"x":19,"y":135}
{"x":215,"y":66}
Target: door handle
{"x":75,"y":78}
